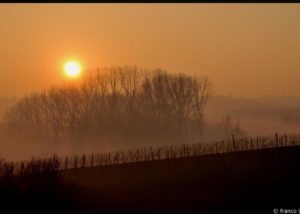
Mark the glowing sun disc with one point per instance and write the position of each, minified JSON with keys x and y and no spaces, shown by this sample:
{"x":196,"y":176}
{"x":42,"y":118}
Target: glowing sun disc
{"x":72,"y":69}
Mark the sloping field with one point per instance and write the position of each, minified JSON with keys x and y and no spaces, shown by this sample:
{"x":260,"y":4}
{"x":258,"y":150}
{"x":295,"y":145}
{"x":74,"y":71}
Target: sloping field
{"x":259,"y":179}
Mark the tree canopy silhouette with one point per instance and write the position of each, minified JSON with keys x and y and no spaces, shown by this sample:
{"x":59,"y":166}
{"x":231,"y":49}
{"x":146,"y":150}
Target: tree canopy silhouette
{"x":119,"y":101}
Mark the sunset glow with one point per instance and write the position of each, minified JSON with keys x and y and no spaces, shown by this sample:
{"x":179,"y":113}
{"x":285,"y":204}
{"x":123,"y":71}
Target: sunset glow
{"x":72,"y":69}
{"x":173,"y":106}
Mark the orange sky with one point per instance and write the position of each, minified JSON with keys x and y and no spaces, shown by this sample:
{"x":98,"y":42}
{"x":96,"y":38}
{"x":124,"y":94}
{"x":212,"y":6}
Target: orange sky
{"x":246,"y":49}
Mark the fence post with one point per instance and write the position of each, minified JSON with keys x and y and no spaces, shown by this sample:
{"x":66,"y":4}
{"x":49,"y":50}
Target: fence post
{"x":92,"y":160}
{"x":108,"y":158}
{"x":228,"y":145}
{"x":83,"y":161}
{"x":75,"y":161}
{"x":233,"y":140}
{"x":286,"y":139}
{"x":66,"y":162}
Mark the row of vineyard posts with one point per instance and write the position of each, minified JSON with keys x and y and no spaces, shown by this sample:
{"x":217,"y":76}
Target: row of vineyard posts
{"x":55,"y":163}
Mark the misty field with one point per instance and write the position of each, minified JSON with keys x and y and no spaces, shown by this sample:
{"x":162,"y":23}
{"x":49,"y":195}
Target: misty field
{"x":151,"y":153}
{"x":180,"y":107}
{"x":256,"y":173}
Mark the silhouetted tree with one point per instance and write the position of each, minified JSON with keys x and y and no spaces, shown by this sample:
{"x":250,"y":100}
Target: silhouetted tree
{"x":118,"y":101}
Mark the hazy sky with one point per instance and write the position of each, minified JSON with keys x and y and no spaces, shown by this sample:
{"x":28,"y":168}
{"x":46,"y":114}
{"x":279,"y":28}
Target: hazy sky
{"x":245,"y":49}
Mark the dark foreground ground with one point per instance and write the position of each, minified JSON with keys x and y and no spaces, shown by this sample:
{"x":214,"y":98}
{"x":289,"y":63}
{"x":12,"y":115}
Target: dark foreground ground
{"x":257,"y":180}
{"x":249,"y":180}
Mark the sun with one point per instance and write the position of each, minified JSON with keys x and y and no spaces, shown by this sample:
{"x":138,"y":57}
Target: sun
{"x":72,"y":69}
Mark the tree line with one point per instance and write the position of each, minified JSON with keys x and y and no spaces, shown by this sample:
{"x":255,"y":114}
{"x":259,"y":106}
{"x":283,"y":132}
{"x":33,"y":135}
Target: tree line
{"x":122,"y":101}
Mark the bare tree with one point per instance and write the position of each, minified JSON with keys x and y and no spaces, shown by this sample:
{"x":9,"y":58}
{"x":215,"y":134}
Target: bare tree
{"x":115,"y":102}
{"x":203,"y":91}
{"x":232,"y":127}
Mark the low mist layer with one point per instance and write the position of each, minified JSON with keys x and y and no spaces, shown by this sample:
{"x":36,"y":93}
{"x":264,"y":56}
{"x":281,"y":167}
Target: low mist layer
{"x":127,"y":107}
{"x":116,"y":107}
